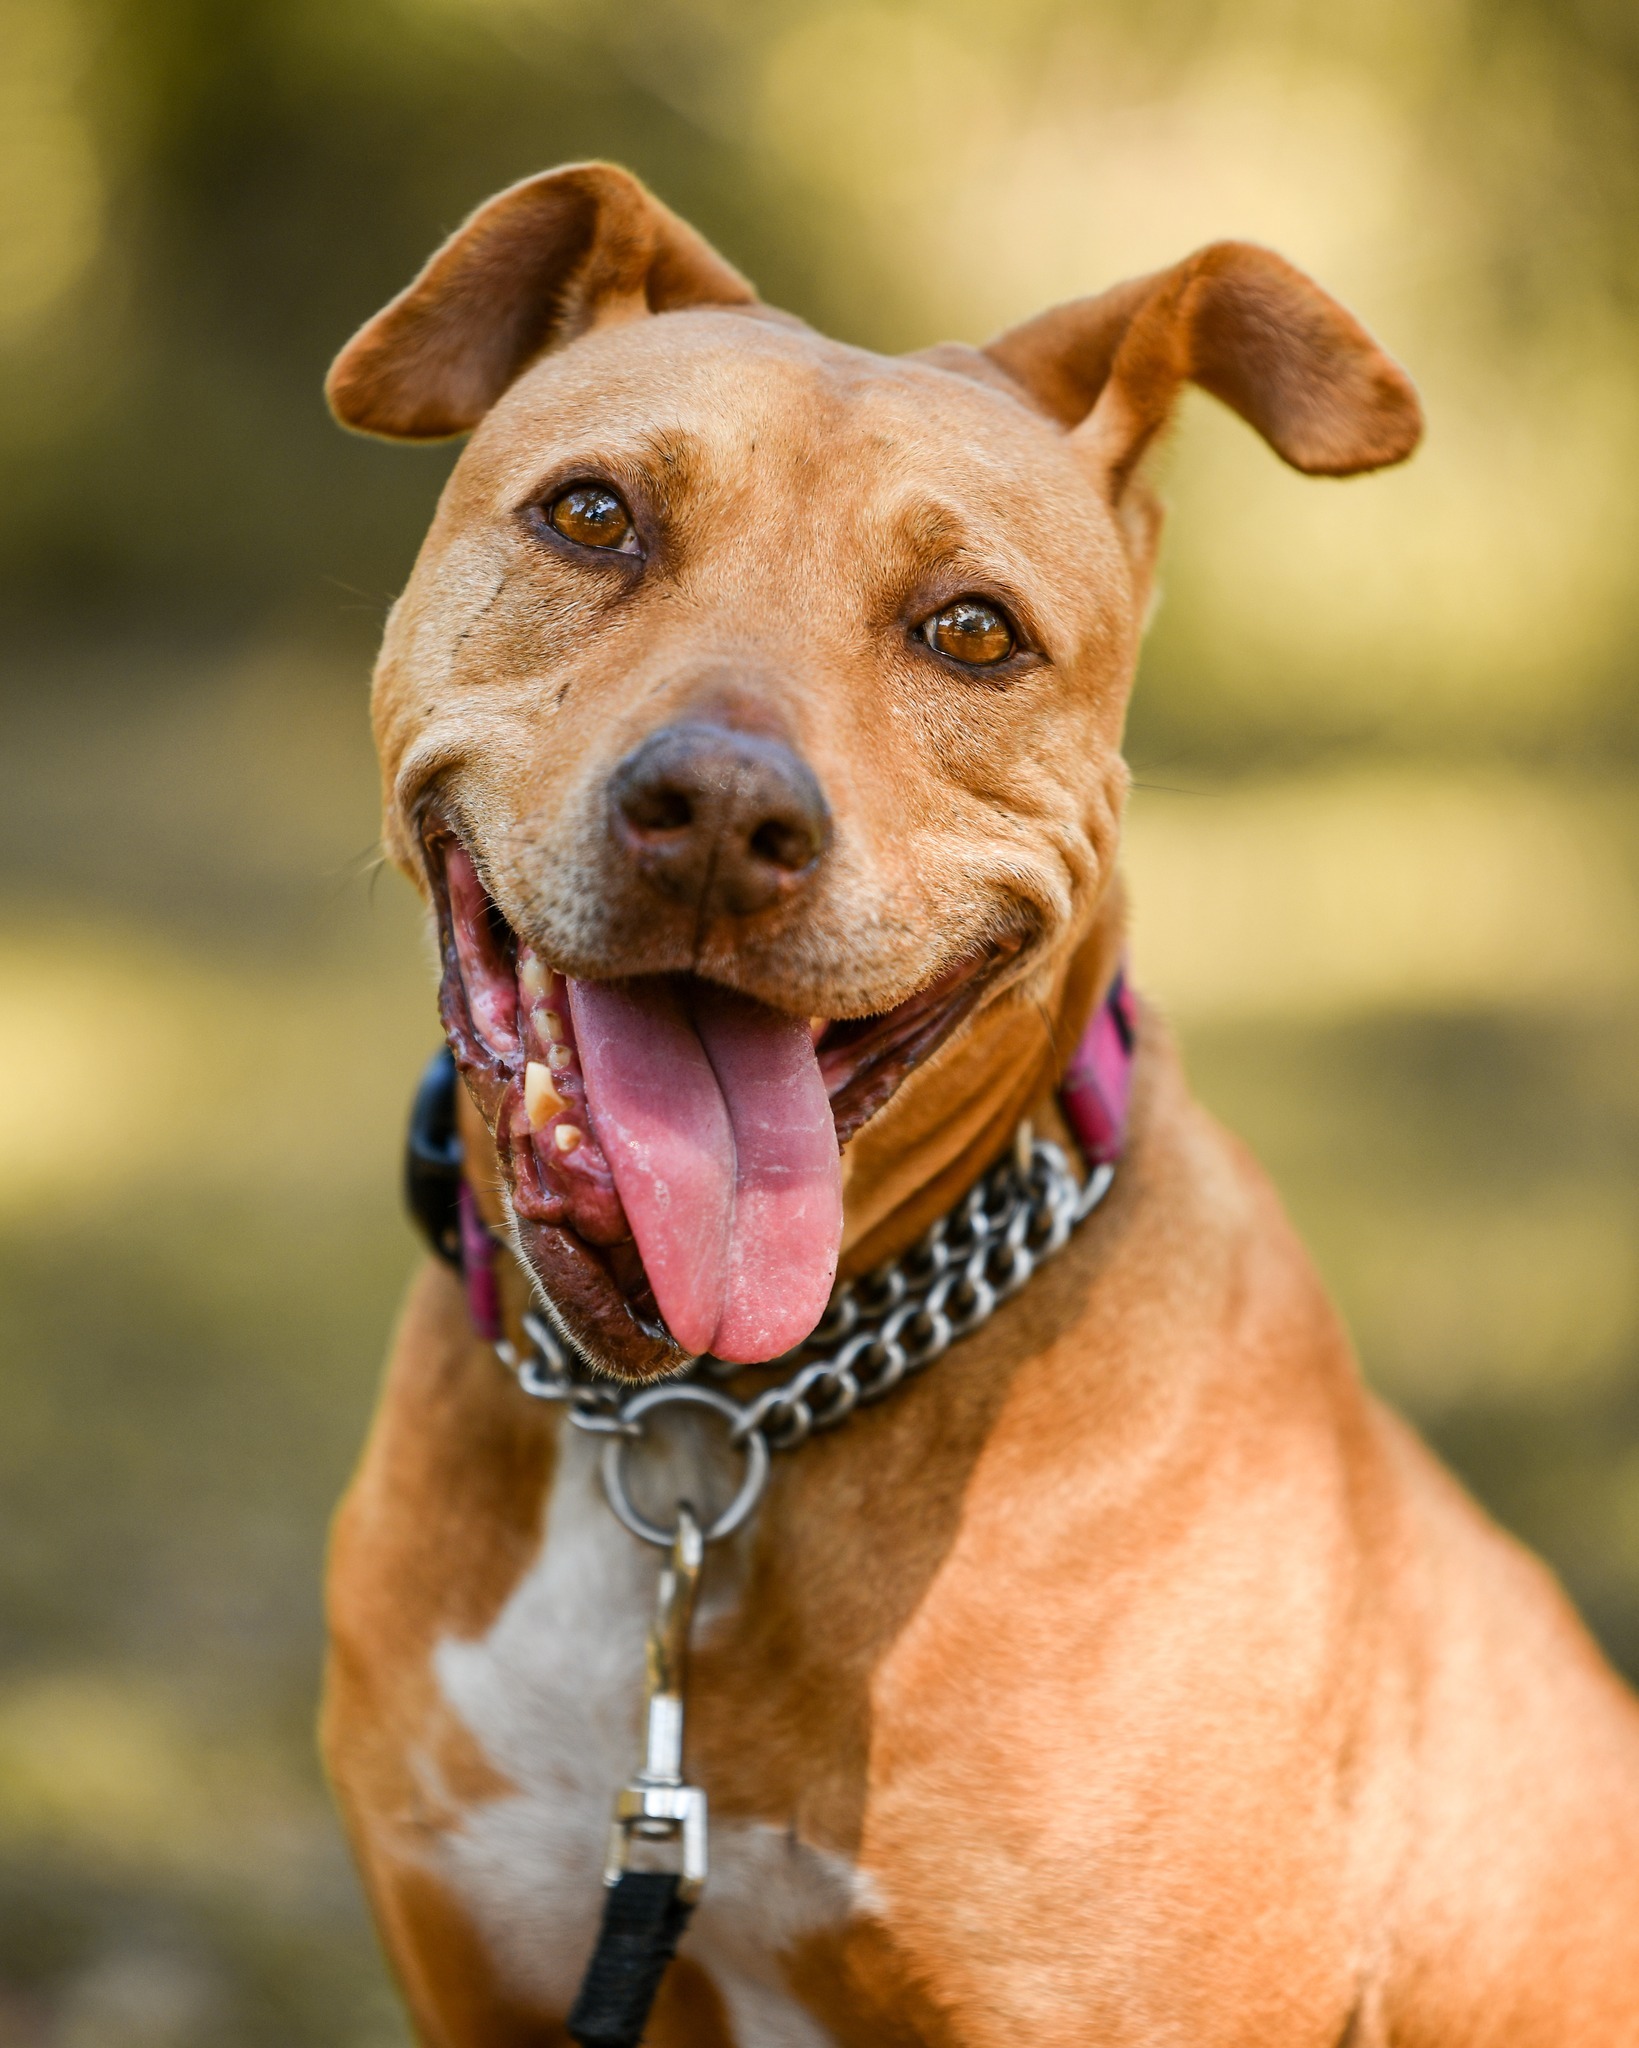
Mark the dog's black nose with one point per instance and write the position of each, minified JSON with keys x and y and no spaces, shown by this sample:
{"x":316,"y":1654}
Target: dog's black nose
{"x":727,"y":822}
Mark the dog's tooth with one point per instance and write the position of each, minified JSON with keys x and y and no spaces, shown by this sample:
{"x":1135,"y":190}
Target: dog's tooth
{"x":542,"y":1101}
{"x":560,"y":1058}
{"x":532,"y":976}
{"x":548,"y":1026}
{"x":567,"y":1136}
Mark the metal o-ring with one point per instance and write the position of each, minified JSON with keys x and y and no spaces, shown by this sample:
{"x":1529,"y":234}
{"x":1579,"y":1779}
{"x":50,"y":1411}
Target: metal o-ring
{"x":685,"y":1394}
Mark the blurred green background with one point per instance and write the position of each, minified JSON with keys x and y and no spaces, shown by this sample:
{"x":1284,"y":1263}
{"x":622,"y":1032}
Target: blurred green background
{"x":1385,"y":847}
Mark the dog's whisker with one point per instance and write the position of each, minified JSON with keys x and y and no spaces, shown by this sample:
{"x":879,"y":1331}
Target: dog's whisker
{"x":1040,"y":1009}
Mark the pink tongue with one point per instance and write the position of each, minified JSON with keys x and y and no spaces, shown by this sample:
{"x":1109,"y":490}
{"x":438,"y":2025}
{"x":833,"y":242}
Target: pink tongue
{"x":718,"y":1132}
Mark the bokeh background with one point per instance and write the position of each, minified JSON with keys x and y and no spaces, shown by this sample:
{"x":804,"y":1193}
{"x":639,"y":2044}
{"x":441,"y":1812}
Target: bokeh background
{"x":1385,"y":845}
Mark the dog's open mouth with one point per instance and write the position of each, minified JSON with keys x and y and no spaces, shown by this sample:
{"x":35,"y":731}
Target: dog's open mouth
{"x":670,"y":1146}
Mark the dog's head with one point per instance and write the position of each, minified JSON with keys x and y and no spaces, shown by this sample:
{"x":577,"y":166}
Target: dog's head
{"x":753,"y":713}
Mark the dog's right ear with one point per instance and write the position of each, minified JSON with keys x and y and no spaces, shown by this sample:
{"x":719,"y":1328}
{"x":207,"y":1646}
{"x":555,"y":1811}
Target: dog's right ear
{"x":534,"y":267}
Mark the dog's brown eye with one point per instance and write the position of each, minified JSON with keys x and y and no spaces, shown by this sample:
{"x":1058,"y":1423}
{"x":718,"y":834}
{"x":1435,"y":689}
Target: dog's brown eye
{"x":592,"y":515}
{"x":971,"y":631}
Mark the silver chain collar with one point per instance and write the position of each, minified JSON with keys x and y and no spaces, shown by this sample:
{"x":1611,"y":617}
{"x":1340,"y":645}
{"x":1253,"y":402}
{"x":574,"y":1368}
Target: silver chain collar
{"x":877,"y":1332}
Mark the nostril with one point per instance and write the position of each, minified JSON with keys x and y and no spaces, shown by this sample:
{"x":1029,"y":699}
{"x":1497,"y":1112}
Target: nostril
{"x":657,"y":807}
{"x":785,"y":845}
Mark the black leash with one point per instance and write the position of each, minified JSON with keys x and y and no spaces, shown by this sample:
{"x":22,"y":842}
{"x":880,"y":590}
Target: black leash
{"x":644,"y":1914}
{"x":645,"y":1911}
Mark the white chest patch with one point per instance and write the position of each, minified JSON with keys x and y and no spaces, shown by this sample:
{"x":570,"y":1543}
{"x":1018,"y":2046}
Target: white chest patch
{"x":553,"y":1697}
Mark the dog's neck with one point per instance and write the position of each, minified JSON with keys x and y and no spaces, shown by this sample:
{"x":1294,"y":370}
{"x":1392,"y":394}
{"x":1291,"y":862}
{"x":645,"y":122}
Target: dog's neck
{"x":919,"y":1156}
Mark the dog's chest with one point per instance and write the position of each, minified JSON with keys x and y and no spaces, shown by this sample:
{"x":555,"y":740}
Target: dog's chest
{"x":553,"y":1697}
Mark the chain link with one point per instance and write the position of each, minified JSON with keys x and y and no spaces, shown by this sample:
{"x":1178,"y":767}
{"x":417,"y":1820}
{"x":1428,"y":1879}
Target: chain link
{"x":878,"y":1331}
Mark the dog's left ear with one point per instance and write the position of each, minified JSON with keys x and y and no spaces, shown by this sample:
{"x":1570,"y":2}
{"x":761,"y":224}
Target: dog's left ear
{"x":534,"y":267}
{"x":1244,"y":325}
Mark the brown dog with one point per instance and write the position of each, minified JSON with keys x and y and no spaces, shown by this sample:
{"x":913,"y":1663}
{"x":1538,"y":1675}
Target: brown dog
{"x":1130,"y":1678}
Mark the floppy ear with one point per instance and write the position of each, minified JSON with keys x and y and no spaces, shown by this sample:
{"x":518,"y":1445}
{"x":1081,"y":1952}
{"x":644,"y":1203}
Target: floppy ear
{"x":1244,"y":325}
{"x":534,"y":267}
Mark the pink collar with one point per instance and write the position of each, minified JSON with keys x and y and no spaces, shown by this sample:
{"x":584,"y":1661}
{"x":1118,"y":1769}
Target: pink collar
{"x":1097,"y":1084}
{"x":1094,"y":1096}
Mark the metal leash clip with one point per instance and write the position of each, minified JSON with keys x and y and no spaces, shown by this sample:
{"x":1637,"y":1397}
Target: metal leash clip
{"x":657,"y":1805}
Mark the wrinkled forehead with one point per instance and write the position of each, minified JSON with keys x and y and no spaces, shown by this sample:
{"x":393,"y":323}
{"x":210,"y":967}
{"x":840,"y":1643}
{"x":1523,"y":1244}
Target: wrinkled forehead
{"x":708,"y":401}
